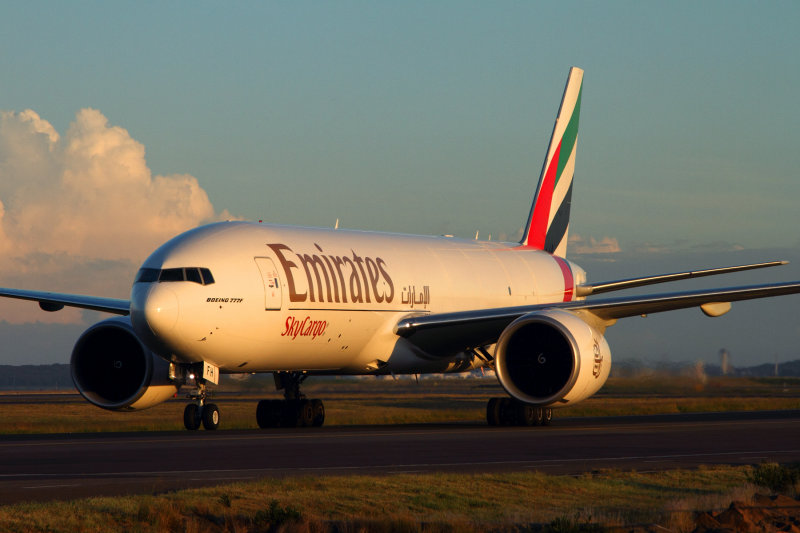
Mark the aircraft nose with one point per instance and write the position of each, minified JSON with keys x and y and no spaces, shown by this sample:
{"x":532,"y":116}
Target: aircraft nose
{"x":160,"y":309}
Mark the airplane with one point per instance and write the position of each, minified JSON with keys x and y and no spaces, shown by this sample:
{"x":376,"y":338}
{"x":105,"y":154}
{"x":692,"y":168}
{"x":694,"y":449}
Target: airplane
{"x":243,"y":297}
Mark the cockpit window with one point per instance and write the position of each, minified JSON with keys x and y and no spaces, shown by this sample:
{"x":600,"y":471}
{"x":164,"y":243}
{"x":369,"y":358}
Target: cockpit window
{"x":193,"y":274}
{"x":198,"y":275}
{"x":147,"y":275}
{"x":171,"y":274}
{"x":208,"y":279}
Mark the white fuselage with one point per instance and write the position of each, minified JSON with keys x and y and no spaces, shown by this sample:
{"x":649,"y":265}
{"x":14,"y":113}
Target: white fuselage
{"x":325,"y":300}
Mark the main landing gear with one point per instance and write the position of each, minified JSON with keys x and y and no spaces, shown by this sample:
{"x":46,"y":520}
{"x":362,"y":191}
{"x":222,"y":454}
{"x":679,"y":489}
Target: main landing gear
{"x":295,"y":410}
{"x":511,"y":412}
{"x":200,"y":412}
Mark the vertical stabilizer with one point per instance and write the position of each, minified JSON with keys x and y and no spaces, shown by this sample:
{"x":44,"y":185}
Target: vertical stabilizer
{"x":548,"y":223}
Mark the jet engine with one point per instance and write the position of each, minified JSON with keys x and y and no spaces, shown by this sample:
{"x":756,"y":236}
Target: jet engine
{"x":112,"y":369}
{"x":551,"y":358}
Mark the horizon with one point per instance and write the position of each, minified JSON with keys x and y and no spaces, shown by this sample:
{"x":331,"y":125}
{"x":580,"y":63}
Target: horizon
{"x":125,"y":126}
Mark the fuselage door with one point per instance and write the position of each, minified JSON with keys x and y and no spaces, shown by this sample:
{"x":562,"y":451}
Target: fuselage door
{"x":272,"y":283}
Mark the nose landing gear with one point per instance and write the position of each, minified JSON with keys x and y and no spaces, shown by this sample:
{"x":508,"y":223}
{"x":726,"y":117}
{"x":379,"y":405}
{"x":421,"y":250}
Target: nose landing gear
{"x":200,"y":412}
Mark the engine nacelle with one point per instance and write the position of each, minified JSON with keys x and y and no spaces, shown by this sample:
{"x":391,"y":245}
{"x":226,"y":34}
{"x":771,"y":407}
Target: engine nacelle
{"x":113,"y":369}
{"x":551,"y":358}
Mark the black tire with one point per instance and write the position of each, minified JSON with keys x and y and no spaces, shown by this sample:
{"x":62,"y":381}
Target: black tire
{"x":526,"y":414}
{"x":319,"y":413}
{"x":269,"y":413}
{"x":289,"y":413}
{"x":508,"y":412}
{"x":264,"y":414}
{"x":210,"y":416}
{"x":547,"y":416}
{"x":539,"y":415}
{"x":191,"y":417}
{"x":305,"y":413}
{"x":493,"y":411}
{"x":262,"y":418}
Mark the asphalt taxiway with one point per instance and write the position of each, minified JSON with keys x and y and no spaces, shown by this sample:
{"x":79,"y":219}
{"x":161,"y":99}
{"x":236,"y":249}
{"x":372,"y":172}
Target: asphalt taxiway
{"x":44,"y":467}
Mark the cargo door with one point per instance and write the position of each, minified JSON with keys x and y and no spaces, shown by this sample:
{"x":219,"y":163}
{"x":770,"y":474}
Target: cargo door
{"x":272,"y":283}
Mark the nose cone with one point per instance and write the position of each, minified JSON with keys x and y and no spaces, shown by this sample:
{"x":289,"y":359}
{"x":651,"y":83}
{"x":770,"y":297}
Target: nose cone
{"x":161,"y":309}
{"x":154,"y":312}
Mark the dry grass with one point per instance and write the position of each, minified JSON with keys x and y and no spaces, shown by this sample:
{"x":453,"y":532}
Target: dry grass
{"x":431,"y":502}
{"x":372,"y":402}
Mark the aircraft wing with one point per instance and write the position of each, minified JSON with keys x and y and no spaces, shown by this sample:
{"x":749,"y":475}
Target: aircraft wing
{"x":54,"y":301}
{"x":447,"y":334}
{"x":620,"y":284}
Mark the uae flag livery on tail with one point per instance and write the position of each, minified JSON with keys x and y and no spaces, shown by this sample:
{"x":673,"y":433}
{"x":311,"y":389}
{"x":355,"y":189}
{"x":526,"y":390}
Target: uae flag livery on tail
{"x":548,"y":223}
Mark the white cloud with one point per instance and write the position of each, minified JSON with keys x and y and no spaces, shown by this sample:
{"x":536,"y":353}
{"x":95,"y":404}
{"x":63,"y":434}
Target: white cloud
{"x":581,"y":246}
{"x":683,"y":245}
{"x":69,"y":201}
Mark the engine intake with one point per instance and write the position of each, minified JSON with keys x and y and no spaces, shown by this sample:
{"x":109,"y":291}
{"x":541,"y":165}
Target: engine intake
{"x":112,"y":369}
{"x":551,"y":358}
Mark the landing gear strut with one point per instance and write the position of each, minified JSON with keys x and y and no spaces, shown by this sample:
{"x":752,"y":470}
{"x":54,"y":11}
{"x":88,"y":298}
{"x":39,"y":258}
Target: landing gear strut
{"x":511,"y":412}
{"x":200,"y":412}
{"x":295,"y":410}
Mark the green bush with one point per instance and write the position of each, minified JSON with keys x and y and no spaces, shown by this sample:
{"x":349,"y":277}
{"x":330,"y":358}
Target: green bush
{"x":777,"y":478}
{"x":564,"y":524}
{"x":276,"y":515}
{"x":225,"y":500}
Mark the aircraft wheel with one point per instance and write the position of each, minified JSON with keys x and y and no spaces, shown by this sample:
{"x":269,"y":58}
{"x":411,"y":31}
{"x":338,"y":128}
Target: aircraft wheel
{"x":319,"y":413}
{"x":262,"y":412}
{"x":547,"y":416}
{"x":210,"y":416}
{"x":526,"y":415}
{"x":191,"y":417}
{"x":305,"y":413}
{"x":539,"y":416}
{"x":289,"y":413}
{"x":268,"y":413}
{"x":493,"y":411}
{"x":510,"y":412}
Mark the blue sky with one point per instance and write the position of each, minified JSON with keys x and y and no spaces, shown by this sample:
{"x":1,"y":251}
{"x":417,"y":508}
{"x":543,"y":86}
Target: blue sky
{"x":433,"y":117}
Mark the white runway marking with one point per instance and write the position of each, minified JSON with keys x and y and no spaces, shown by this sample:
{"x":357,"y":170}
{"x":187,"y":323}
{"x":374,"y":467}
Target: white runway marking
{"x":423,"y":466}
{"x":35,"y":487}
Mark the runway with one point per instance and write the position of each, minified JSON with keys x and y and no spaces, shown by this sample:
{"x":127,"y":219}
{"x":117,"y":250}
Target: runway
{"x":45,"y":467}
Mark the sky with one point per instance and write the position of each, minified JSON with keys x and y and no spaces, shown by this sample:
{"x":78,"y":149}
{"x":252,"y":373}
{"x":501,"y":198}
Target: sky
{"x":124,"y":124}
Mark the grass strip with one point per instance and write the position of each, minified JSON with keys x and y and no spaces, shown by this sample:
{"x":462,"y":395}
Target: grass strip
{"x":81,"y":417}
{"x":405,"y":502}
{"x":375,"y":402}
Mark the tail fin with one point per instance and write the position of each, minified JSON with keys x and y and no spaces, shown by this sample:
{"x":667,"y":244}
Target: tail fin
{"x":548,"y":222}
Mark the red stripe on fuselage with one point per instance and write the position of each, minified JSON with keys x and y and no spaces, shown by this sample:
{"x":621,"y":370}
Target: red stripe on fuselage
{"x":569,"y":281}
{"x":541,"y":211}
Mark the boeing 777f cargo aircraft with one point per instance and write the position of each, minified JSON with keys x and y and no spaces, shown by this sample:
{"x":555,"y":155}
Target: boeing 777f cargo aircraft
{"x":238,"y":297}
